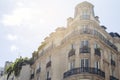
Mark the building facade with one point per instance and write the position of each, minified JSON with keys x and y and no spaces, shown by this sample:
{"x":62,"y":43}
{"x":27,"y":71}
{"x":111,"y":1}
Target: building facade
{"x":83,"y":50}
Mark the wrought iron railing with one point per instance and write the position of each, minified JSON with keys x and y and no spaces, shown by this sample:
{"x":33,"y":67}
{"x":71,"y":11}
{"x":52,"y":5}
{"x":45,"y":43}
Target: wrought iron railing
{"x":91,"y":32}
{"x":85,"y":50}
{"x":84,"y":70}
{"x":48,"y":64}
{"x":97,"y":51}
{"x":71,"y":53}
{"x":113,"y":78}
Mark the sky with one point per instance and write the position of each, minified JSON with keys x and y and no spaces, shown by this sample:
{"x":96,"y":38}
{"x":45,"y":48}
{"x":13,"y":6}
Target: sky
{"x":25,"y":23}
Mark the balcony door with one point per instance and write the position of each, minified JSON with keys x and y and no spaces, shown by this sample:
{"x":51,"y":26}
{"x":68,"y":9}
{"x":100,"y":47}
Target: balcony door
{"x":84,"y":62}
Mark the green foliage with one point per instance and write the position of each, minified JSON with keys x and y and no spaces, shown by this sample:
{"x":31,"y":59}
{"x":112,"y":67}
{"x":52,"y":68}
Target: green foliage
{"x":16,"y":67}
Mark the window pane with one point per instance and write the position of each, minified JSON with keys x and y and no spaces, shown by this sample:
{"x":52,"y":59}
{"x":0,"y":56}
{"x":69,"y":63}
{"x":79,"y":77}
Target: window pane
{"x":82,"y":62}
{"x":85,"y":43}
{"x":86,"y":63}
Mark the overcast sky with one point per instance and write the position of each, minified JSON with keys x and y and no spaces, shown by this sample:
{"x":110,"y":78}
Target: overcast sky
{"x":25,"y":23}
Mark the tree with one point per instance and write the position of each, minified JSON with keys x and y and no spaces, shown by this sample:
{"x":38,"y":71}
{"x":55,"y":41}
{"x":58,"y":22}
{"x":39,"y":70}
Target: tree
{"x":16,"y":67}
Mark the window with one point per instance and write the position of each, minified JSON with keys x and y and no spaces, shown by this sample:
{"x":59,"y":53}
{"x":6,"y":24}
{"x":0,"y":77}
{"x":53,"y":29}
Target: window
{"x":85,"y":15}
{"x":113,"y":71}
{"x":112,"y":57}
{"x":72,"y":46}
{"x":48,"y":74}
{"x":84,"y":28}
{"x":84,"y":63}
{"x":72,"y":64}
{"x":97,"y":64}
{"x":96,"y":45}
{"x":84,"y":43}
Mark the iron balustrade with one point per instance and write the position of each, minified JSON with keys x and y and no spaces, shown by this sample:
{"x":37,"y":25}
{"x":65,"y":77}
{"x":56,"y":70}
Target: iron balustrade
{"x":71,"y":53}
{"x":84,"y":50}
{"x":91,"y":32}
{"x":84,"y":70}
{"x":113,"y":78}
{"x":48,"y":64}
{"x":97,"y":51}
{"x":112,"y":62}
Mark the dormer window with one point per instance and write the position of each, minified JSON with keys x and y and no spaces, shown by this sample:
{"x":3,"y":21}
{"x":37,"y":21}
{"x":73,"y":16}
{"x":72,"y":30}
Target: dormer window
{"x":85,"y":15}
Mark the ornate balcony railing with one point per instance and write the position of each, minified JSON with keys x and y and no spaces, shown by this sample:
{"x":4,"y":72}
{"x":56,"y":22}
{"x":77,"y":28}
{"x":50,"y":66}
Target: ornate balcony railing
{"x":113,"y":78}
{"x":112,"y":62}
{"x":48,"y":64}
{"x":84,"y":70}
{"x":84,"y":50}
{"x":38,"y":70}
{"x":93,"y":33}
{"x":71,"y":53}
{"x":48,"y":79}
{"x":97,"y":51}
{"x":32,"y":76}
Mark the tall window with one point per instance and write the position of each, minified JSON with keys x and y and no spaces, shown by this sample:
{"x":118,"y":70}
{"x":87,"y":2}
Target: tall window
{"x":84,"y":62}
{"x":72,"y":64}
{"x":113,"y":71}
{"x":96,"y":45}
{"x":97,"y":64}
{"x":112,"y":56}
{"x":84,"y":43}
{"x":72,"y":46}
{"x":48,"y":74}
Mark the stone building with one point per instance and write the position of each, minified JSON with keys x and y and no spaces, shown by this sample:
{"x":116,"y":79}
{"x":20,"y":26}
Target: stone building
{"x":83,"y":50}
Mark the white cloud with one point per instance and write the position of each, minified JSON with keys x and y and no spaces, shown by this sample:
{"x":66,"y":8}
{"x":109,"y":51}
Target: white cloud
{"x":13,"y":48}
{"x":12,"y":37}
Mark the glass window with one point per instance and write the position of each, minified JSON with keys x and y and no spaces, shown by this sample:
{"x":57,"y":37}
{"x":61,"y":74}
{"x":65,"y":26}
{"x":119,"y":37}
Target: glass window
{"x":84,"y":63}
{"x":113,"y":72}
{"x":97,"y":64}
{"x":85,"y":15}
{"x":72,"y":64}
{"x":96,"y":45}
{"x":48,"y":74}
{"x":72,"y":46}
{"x":84,"y":43}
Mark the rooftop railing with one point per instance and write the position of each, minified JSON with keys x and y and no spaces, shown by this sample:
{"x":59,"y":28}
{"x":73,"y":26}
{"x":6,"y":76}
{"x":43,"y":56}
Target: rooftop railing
{"x":91,"y":32}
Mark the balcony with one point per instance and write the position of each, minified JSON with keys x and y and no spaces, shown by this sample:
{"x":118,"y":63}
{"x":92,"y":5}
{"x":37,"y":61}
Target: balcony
{"x":48,"y":64}
{"x":32,"y":76}
{"x":113,"y":78}
{"x":48,"y":79}
{"x":112,"y":62}
{"x":71,"y":53}
{"x":84,"y":70}
{"x":90,"y":32}
{"x":84,"y":50}
{"x":38,"y":70}
{"x":97,"y":52}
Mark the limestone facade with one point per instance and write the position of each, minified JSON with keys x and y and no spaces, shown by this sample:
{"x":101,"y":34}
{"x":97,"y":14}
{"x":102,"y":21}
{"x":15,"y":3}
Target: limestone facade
{"x":83,"y":50}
